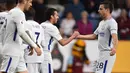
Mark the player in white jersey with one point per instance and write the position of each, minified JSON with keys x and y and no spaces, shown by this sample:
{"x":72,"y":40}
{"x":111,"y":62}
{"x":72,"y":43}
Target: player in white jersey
{"x":9,"y":5}
{"x":13,"y":60}
{"x":34,"y":62}
{"x":107,"y":39}
{"x":2,"y":22}
{"x":52,"y":32}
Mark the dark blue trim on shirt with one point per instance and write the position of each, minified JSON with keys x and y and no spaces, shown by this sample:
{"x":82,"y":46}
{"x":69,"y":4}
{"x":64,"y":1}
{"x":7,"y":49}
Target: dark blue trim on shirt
{"x":50,"y":43}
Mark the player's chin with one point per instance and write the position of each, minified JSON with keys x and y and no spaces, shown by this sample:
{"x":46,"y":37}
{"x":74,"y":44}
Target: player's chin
{"x":55,"y":22}
{"x":27,"y":8}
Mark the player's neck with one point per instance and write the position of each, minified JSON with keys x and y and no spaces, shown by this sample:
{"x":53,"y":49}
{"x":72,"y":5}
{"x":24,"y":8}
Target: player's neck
{"x":108,"y":16}
{"x":51,"y":21}
{"x":21,"y":6}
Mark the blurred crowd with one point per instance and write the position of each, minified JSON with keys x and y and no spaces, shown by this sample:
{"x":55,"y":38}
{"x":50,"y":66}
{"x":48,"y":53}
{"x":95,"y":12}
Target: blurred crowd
{"x":82,"y":15}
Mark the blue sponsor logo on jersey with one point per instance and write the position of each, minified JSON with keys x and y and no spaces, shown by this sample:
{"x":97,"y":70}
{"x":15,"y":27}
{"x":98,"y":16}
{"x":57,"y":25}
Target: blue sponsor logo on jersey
{"x":102,"y":34}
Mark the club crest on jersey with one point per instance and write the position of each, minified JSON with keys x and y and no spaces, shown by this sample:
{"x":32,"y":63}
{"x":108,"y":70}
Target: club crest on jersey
{"x":103,"y":27}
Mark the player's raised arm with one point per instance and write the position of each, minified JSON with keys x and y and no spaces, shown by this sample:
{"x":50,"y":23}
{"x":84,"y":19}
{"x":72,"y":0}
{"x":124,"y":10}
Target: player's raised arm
{"x":87,"y":37}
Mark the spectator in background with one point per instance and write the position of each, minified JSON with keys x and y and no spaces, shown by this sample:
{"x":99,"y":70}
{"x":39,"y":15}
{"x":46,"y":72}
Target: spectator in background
{"x":84,"y":26}
{"x":67,"y":24}
{"x":128,"y":7}
{"x":117,"y":11}
{"x":40,"y":9}
{"x":78,"y":58}
{"x":124,"y":25}
{"x":76,"y":8}
{"x":90,"y":6}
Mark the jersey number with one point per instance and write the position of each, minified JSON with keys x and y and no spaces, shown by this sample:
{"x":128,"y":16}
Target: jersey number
{"x":99,"y":66}
{"x":37,"y":36}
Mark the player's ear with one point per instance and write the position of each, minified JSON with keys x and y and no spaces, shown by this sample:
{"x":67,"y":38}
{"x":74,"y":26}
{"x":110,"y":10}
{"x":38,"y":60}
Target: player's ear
{"x":51,"y":16}
{"x":107,"y":9}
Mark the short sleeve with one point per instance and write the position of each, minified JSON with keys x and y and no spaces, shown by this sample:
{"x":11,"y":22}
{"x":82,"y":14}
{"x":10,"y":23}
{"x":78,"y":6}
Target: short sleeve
{"x":55,"y":33}
{"x":113,"y":27}
{"x":96,"y":31}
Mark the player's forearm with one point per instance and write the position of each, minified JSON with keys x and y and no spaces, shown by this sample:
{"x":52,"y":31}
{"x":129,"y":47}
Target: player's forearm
{"x":115,"y":41}
{"x":30,"y":34}
{"x":87,"y":37}
{"x":64,"y":42}
{"x":26,"y":38}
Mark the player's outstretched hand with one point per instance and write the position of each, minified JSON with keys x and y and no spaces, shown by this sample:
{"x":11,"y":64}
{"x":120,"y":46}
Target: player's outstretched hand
{"x":75,"y":34}
{"x":113,"y":52}
{"x":38,"y":51}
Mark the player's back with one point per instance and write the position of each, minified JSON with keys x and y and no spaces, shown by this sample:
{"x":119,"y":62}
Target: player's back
{"x":38,"y":34}
{"x":12,"y":41}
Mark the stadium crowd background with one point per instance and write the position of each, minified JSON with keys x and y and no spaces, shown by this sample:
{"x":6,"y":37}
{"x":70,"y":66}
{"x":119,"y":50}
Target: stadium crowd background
{"x":82,"y":15}
{"x":75,"y":13}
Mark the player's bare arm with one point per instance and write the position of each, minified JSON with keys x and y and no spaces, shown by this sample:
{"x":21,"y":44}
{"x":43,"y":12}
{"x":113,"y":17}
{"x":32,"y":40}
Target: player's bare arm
{"x":87,"y":37}
{"x":114,"y":42}
{"x":63,"y":42}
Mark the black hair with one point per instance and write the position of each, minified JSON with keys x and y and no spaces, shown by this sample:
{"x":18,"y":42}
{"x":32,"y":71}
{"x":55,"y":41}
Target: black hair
{"x":109,"y":5}
{"x":30,"y":14}
{"x":49,"y":13}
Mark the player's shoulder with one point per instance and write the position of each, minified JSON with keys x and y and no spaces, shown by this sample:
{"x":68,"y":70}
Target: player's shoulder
{"x":112,"y":21}
{"x":3,"y":13}
{"x":48,"y":25}
{"x":16,"y":11}
{"x":34,"y":24}
{"x":101,"y":22}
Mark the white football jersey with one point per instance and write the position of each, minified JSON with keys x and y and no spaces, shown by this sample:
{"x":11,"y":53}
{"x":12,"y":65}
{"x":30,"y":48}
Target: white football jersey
{"x":38,"y":34}
{"x":50,"y":32}
{"x":15,"y":32}
{"x":104,"y":31}
{"x":3,"y":21}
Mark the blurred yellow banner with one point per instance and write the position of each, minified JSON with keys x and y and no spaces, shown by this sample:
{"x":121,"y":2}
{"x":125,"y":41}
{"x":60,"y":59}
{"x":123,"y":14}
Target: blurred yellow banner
{"x":122,"y":63}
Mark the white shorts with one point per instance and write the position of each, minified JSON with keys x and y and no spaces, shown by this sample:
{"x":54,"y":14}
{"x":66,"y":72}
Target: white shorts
{"x":105,"y":62}
{"x":35,"y":68}
{"x":47,"y":63}
{"x":12,"y":64}
{"x":47,"y":67}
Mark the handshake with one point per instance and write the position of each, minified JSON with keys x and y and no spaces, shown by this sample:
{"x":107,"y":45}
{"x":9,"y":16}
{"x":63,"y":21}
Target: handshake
{"x":75,"y":34}
{"x":37,"y":50}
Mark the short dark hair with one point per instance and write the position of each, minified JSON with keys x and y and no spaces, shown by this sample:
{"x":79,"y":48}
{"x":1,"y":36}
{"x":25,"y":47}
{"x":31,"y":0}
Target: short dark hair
{"x":48,"y":13}
{"x":108,"y":4}
{"x":30,"y":14}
